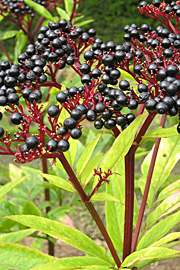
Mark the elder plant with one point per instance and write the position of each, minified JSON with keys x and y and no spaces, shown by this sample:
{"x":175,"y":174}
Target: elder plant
{"x":126,"y":108}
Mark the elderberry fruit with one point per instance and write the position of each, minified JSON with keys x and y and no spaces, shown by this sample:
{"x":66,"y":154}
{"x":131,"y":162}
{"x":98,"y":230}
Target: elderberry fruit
{"x":76,"y":114}
{"x":53,"y":111}
{"x":178,"y":128}
{"x":62,"y":131}
{"x":32,"y":142}
{"x":63,"y":145}
{"x":16,"y":118}
{"x":24,"y":148}
{"x":70,"y":123}
{"x":98,"y":124}
{"x":51,"y":145}
{"x":75,"y":133}
{"x":91,"y":115}
{"x":110,"y":124}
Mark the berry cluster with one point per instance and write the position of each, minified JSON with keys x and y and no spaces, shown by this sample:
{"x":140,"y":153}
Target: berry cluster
{"x":151,"y":57}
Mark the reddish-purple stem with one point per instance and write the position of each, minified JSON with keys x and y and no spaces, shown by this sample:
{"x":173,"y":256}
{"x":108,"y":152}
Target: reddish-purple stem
{"x":89,"y":206}
{"x":146,"y":190}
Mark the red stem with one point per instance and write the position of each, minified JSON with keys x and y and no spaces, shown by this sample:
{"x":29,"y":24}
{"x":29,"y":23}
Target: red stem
{"x":146,"y":190}
{"x":89,"y":206}
{"x":129,"y":201}
{"x":5,"y":52}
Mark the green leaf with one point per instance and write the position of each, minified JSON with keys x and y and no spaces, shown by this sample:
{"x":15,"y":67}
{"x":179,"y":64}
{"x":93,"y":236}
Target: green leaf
{"x":62,"y":13}
{"x":8,"y":34}
{"x":9,"y":186}
{"x":59,"y":182}
{"x":168,"y":238}
{"x":167,"y":157}
{"x":19,"y":257}
{"x":88,"y":171}
{"x":80,"y":24}
{"x":15,"y":236}
{"x":2,"y":17}
{"x":167,"y":191}
{"x":160,"y":132}
{"x":15,"y":172}
{"x":64,"y":233}
{"x":103,"y":196}
{"x":158,"y":231}
{"x":72,"y":262}
{"x":115,"y":211}
{"x":21,"y":40}
{"x":68,"y":6}
{"x":167,"y":206}
{"x":140,"y":258}
{"x":71,"y":153}
{"x":39,"y":9}
{"x":86,"y":155}
{"x":122,"y":145}
{"x":31,"y":209}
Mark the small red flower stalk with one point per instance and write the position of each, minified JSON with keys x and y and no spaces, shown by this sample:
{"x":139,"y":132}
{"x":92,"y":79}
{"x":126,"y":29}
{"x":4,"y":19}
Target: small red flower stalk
{"x":150,"y":57}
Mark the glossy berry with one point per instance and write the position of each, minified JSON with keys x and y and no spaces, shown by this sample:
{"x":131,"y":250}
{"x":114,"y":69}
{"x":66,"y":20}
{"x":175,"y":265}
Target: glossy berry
{"x":98,"y":124}
{"x":178,"y":128}
{"x":52,"y":144}
{"x":91,"y":115}
{"x":76,"y":114}
{"x":70,"y":123}
{"x":99,"y":108}
{"x":124,"y":85}
{"x":63,"y":145}
{"x":32,"y":142}
{"x":76,"y":133}
{"x":16,"y":118}
{"x":53,"y":111}
{"x":24,"y":148}
{"x":62,"y":131}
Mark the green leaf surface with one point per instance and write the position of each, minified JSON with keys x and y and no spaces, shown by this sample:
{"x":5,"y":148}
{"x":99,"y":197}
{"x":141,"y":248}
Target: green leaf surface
{"x":138,"y":258}
{"x":31,"y":209}
{"x":39,"y":9}
{"x":88,"y":171}
{"x":71,"y":153}
{"x":63,"y":14}
{"x":9,"y":186}
{"x":167,"y":206}
{"x":158,"y":231}
{"x":104,"y":196}
{"x":19,"y":257}
{"x":122,"y":145}
{"x":21,"y":40}
{"x":160,"y":132}
{"x":72,"y":262}
{"x":15,"y":236}
{"x":167,"y":157}
{"x":166,"y":239}
{"x":115,"y":211}
{"x":2,"y":17}
{"x":68,"y":6}
{"x":167,"y":191}
{"x":64,"y":233}
{"x":59,"y":182}
{"x":86,"y":155}
{"x":8,"y":34}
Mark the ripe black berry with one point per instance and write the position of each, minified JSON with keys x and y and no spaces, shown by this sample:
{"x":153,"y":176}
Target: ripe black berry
{"x":76,"y":114}
{"x":76,"y":133}
{"x":99,"y":108}
{"x":98,"y":124}
{"x":32,"y":142}
{"x":63,"y":145}
{"x":1,"y":132}
{"x":53,"y":111}
{"x":91,"y":115}
{"x":16,"y":118}
{"x":52,"y":144}
{"x":124,"y":85}
{"x":70,"y":123}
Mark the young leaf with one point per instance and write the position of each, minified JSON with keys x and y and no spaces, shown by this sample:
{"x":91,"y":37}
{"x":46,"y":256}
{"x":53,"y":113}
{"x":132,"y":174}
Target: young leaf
{"x":167,"y":206}
{"x":68,"y":6}
{"x":160,"y":132}
{"x":115,"y":211}
{"x":167,"y":191}
{"x":39,"y":9}
{"x":86,"y":155}
{"x":167,"y":157}
{"x":73,"y":262}
{"x":9,"y":186}
{"x":158,"y":231}
{"x":103,"y":196}
{"x":141,"y":258}
{"x":62,"y":13}
{"x":8,"y":34}
{"x":121,"y":145}
{"x":64,"y":233}
{"x":31,"y":209}
{"x":59,"y":182}
{"x":19,"y":257}
{"x":88,"y":171}
{"x":166,"y":239}
{"x":13,"y":237}
{"x":80,"y":24}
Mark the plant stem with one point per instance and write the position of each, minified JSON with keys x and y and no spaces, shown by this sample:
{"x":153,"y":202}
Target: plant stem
{"x":146,"y":190}
{"x":89,"y":206}
{"x":5,"y":52}
{"x":47,"y":198}
{"x":129,"y":201}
